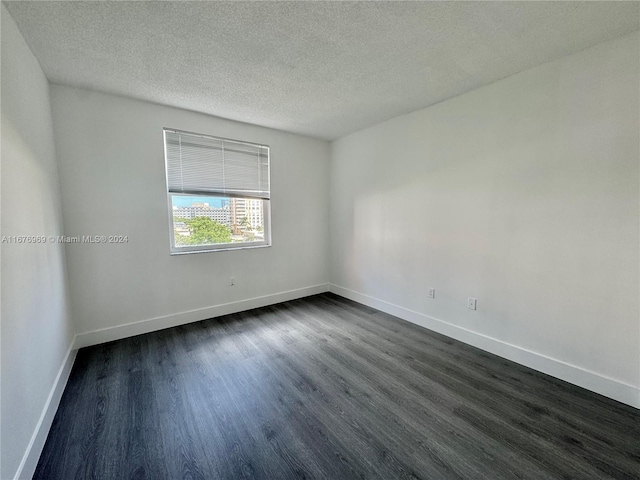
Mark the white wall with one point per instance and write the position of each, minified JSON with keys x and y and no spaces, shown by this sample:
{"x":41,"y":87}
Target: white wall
{"x":110,"y":153}
{"x":36,"y":329}
{"x":524,"y":194}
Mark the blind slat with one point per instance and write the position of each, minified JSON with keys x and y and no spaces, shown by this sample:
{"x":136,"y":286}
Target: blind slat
{"x":200,"y":164}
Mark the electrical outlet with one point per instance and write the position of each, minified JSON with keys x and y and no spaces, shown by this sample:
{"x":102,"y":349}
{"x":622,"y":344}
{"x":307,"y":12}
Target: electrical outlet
{"x":232,"y":281}
{"x":432,"y":293}
{"x":472,"y":303}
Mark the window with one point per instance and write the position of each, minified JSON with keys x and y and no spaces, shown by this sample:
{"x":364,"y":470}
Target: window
{"x":218,"y":192}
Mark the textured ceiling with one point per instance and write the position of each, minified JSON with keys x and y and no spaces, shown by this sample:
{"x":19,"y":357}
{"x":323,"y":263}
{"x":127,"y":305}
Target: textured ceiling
{"x":323,"y":69}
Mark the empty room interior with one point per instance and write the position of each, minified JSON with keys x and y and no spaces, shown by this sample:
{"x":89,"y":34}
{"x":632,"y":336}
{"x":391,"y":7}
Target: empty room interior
{"x":283,"y":240}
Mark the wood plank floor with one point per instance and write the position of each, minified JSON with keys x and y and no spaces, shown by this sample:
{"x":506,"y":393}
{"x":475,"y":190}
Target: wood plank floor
{"x":323,"y":387}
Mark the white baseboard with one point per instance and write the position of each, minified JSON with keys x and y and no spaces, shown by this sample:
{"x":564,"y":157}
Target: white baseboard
{"x":158,"y":323}
{"x":609,"y":387}
{"x":29,"y":462}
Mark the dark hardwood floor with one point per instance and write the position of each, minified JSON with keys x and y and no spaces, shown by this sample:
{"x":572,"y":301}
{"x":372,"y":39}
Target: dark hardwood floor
{"x":323,"y":387}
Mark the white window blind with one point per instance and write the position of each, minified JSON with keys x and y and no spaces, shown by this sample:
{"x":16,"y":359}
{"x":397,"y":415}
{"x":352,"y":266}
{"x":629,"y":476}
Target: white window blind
{"x":204,"y":165}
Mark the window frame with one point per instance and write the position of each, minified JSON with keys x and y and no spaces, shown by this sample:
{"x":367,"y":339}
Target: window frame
{"x":215,"y":247}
